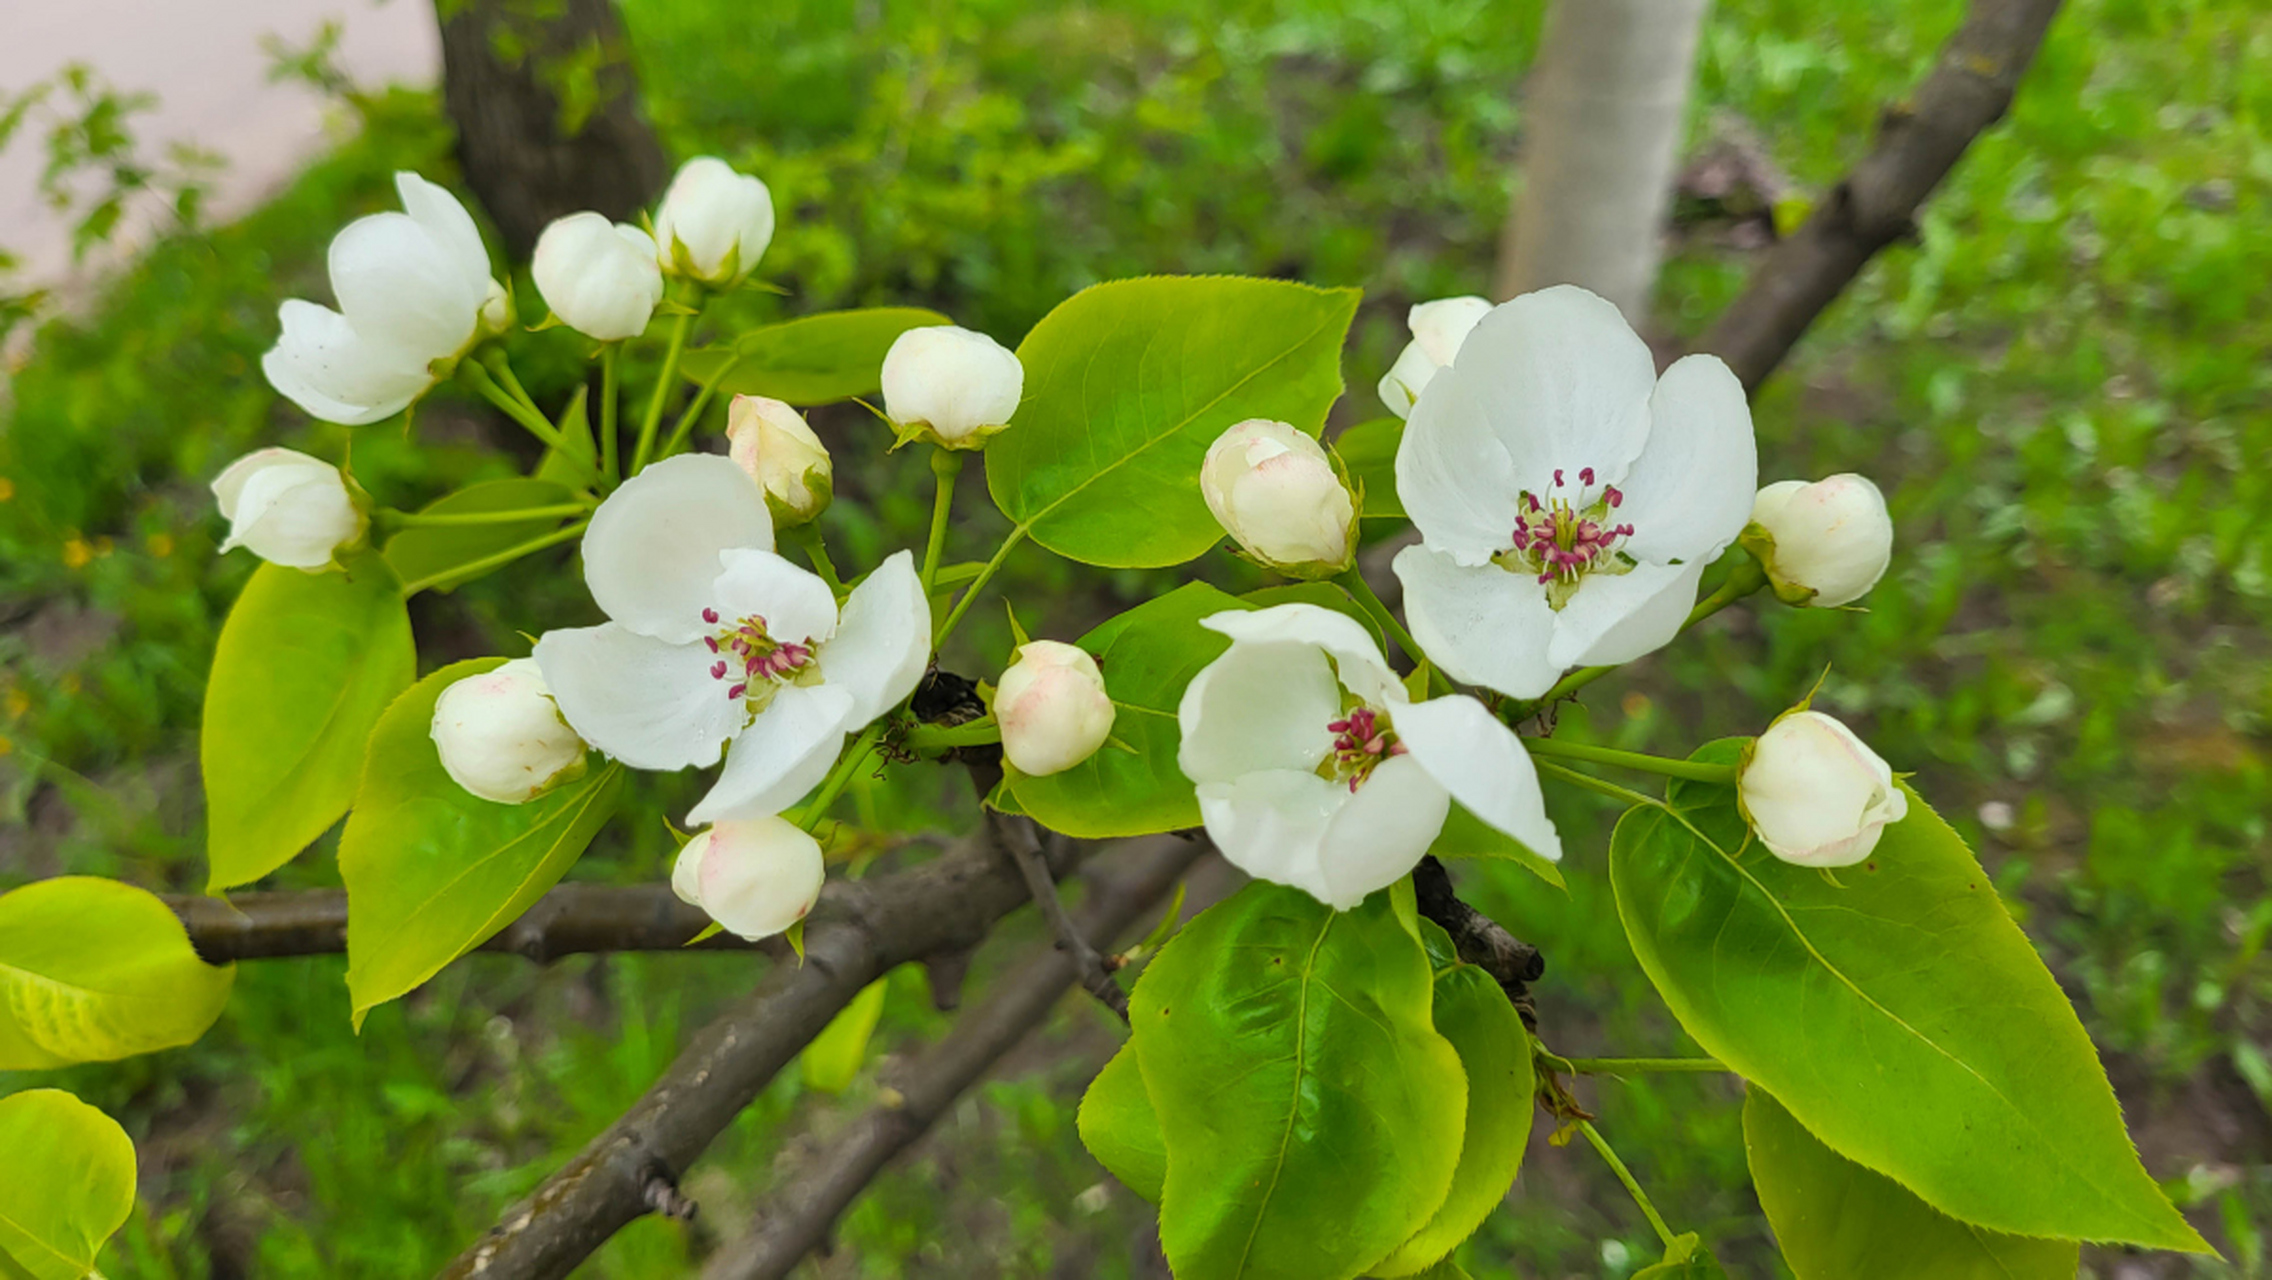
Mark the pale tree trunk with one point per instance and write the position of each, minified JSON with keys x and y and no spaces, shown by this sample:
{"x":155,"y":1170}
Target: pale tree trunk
{"x":1601,"y":137}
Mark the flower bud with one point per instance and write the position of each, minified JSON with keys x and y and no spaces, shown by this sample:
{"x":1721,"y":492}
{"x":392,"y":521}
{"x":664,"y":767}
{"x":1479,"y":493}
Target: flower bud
{"x":951,"y":386}
{"x":1438,"y":329}
{"x":755,"y":877}
{"x":1827,"y":543}
{"x":770,"y":441}
{"x":1816,"y":794}
{"x":1274,"y":491}
{"x":500,"y":736}
{"x":714,"y":223}
{"x":600,"y":278}
{"x":1052,"y":708}
{"x":287,"y":508}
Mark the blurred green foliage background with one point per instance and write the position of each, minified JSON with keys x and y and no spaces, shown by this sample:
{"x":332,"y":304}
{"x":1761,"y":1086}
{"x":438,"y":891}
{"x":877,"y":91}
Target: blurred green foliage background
{"x":2063,"y":386}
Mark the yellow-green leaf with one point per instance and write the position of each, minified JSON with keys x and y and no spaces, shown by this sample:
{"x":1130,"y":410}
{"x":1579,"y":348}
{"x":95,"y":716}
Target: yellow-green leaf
{"x":66,"y":1184}
{"x":835,"y":1056}
{"x":92,"y":970}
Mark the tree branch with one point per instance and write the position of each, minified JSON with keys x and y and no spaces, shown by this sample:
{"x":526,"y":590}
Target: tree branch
{"x":1022,"y":838}
{"x":1969,"y":89}
{"x":797,"y":1216}
{"x":1480,"y":940}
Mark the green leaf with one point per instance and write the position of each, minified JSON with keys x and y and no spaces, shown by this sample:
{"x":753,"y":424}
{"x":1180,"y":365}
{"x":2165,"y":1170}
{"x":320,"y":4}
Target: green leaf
{"x":305,"y":664}
{"x":1312,"y":1114}
{"x":1127,"y":383}
{"x":71,"y":1184}
{"x":1467,"y":836}
{"x":92,"y":970}
{"x":1836,"y":1220}
{"x":1898,"y":1013}
{"x":1120,"y":1128}
{"x":1368,"y":454}
{"x":579,"y":461}
{"x":815,"y":359}
{"x":836,"y":1055}
{"x":431,"y":552}
{"x":433,"y":870}
{"x":1686,"y":1258}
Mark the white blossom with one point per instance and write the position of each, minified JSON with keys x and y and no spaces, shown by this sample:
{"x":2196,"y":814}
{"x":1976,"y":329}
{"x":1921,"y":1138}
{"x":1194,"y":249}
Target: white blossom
{"x":754,"y":876}
{"x":287,"y":508}
{"x":1275,"y":492}
{"x":1438,"y":329}
{"x":500,"y":736}
{"x":1817,"y":795}
{"x":414,"y":293}
{"x":713,"y":639}
{"x":771,"y":441}
{"x":1316,"y":769}
{"x":1567,"y":498}
{"x":713,"y":224}
{"x":600,"y":278}
{"x":1052,"y":707}
{"x":1832,"y":539}
{"x":951,"y":385}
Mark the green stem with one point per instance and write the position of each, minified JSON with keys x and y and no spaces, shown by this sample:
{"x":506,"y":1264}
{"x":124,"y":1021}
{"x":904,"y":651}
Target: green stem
{"x":1592,"y":783}
{"x":977,"y":584}
{"x":946,"y":464}
{"x":1744,"y":579}
{"x":421,"y":519}
{"x":1638,"y":1066}
{"x":816,"y":550}
{"x":1353,"y":581}
{"x":693,"y":414}
{"x":486,"y":563}
{"x":1696,"y":771}
{"x":942,"y":737}
{"x":609,"y":432}
{"x":500,"y":365}
{"x":1625,"y":1175}
{"x":663,"y":389}
{"x":840,"y":776}
{"x":519,"y":411}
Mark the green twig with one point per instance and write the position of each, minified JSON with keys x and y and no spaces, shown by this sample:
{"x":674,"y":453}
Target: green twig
{"x":977,"y":584}
{"x":946,"y":464}
{"x":685,"y":428}
{"x":1694,"y":770}
{"x":1637,"y":1066}
{"x":488,"y":562}
{"x":1592,"y":783}
{"x":840,"y":776}
{"x":609,"y":445}
{"x":1625,"y":1175}
{"x":808,"y":537}
{"x":422,"y":519}
{"x":471,"y":372}
{"x":663,"y":388}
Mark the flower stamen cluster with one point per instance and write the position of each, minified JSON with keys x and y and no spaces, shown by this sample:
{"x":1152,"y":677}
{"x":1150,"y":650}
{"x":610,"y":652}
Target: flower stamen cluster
{"x":1560,"y":541}
{"x":764,"y":663}
{"x":1363,"y":739}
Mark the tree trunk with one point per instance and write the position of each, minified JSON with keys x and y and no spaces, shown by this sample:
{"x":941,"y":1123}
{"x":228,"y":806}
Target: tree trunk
{"x":547,"y":112}
{"x":1601,"y":136}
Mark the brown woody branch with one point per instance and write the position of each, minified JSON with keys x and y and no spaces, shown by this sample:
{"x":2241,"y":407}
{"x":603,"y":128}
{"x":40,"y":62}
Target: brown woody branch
{"x":1022,"y":838}
{"x":798,"y":1216}
{"x":1480,"y":940}
{"x":1969,"y":88}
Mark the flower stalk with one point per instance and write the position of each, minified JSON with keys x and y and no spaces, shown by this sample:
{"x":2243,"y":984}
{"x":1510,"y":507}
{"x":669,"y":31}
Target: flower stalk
{"x":946,"y":464}
{"x":663,"y":380}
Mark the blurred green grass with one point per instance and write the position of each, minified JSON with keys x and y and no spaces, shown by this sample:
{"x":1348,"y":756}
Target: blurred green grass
{"x":2062,"y":386}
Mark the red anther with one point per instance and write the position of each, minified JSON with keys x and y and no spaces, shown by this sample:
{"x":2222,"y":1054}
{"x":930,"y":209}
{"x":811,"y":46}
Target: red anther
{"x":1613,"y":495}
{"x":737,"y":691}
{"x":710,"y":616}
{"x":1586,"y":476}
{"x":718,"y":670}
{"x":1558,"y":477}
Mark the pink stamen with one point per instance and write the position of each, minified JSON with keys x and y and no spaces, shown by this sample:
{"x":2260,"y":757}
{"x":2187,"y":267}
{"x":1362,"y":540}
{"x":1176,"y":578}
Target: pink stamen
{"x":717,"y":671}
{"x":710,"y":616}
{"x":1586,"y":475}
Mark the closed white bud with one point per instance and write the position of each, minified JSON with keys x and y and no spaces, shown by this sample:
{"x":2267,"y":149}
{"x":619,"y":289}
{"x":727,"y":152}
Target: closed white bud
{"x":1832,"y":539}
{"x":1052,"y":707}
{"x":1438,"y":329}
{"x":714,"y":223}
{"x":771,"y":441}
{"x":1816,"y":794}
{"x":287,"y":508}
{"x":951,"y":386}
{"x":600,"y":278}
{"x":755,"y":876}
{"x":1275,"y":492}
{"x":500,"y":736}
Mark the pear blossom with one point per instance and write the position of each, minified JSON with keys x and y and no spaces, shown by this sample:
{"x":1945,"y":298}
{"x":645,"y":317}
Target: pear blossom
{"x":1827,"y":543}
{"x":1816,"y":794}
{"x":287,"y":508}
{"x":1052,"y":706}
{"x":1275,"y":492}
{"x":414,"y":293}
{"x":1568,"y":499}
{"x":714,"y":223}
{"x":712,"y":639}
{"x":754,"y":876}
{"x":1316,"y":769}
{"x":772,"y":442}
{"x":1438,"y":329}
{"x":500,"y":737}
{"x":600,"y":278}
{"x":950,"y":385}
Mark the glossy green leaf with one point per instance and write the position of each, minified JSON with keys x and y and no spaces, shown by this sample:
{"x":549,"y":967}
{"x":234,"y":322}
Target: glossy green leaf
{"x":1686,"y":1258}
{"x":1836,"y":1220}
{"x":305,"y":664}
{"x":433,"y":870}
{"x":578,"y":462}
{"x":1127,"y":383}
{"x":1467,"y":836}
{"x":1120,"y":1128}
{"x":815,"y":359}
{"x":92,"y":969}
{"x":435,"y":553}
{"x":1368,"y":454}
{"x":1312,"y":1113}
{"x":835,"y":1056}
{"x":1896,"y":1011}
{"x":66,"y":1184}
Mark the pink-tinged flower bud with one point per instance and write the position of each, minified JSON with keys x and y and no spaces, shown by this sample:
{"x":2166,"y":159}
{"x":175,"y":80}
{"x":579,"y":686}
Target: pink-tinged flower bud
{"x":287,"y":508}
{"x":1817,"y":795}
{"x":1275,"y":492}
{"x":1828,"y":542}
{"x":771,"y":441}
{"x":755,"y":877}
{"x":713,"y":224}
{"x":951,"y":386}
{"x":600,"y":278}
{"x":1052,"y":707}
{"x":1438,"y":329}
{"x":500,"y":736}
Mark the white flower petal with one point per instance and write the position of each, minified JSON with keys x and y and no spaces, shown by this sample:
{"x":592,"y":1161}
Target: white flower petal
{"x":294,"y":513}
{"x":783,"y":754}
{"x":1379,"y":835}
{"x":650,"y":704}
{"x":434,"y":208}
{"x":1617,"y":619}
{"x":651,"y":554}
{"x":1271,"y":824}
{"x":322,"y":365}
{"x":1406,"y":379}
{"x":1439,"y":326}
{"x":686,"y":870}
{"x":797,"y":606}
{"x":883,"y":642}
{"x":1454,"y":474}
{"x":1483,"y":765}
{"x":1356,"y":654}
{"x":1258,"y":707}
{"x":1691,"y":491}
{"x":399,"y":287}
{"x":1482,"y":625}
{"x":1567,"y":383}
